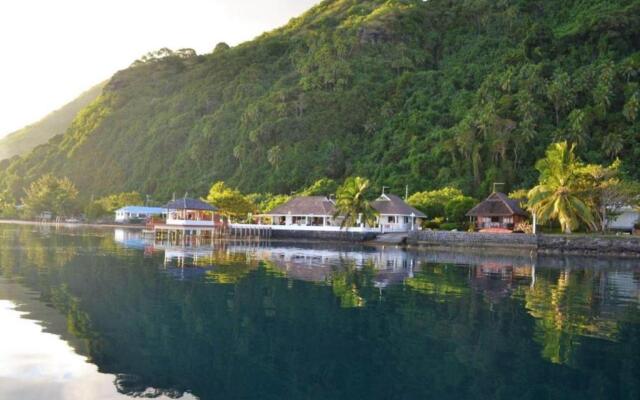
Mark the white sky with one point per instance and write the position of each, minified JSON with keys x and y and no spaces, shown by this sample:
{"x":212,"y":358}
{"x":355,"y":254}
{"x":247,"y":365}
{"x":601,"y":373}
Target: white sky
{"x":54,"y":50}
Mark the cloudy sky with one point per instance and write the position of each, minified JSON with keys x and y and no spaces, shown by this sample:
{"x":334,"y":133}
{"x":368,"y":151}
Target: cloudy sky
{"x":54,"y":50}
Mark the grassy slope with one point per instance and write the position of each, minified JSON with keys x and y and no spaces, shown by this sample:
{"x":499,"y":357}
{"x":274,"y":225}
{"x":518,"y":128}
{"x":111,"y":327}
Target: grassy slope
{"x":56,"y":123}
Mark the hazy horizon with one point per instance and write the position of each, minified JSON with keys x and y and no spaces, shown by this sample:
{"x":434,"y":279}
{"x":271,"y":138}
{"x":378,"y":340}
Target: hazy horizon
{"x":59,"y":50}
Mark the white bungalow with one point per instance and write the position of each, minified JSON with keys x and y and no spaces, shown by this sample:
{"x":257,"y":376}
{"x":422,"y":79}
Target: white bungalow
{"x":318,"y":211}
{"x":190,"y":213}
{"x":128,"y":213}
{"x":304,"y":211}
{"x":394,"y":215}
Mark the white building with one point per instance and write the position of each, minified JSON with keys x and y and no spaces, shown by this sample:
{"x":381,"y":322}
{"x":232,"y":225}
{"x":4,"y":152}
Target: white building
{"x":128,"y":213}
{"x":394,"y":215}
{"x":304,"y":211}
{"x":309,"y":212}
{"x":190,"y":213}
{"x":624,"y":219}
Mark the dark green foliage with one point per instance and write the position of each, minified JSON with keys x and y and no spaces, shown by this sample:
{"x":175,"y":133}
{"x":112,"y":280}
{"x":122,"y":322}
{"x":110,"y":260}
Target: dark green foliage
{"x":433,"y":203}
{"x":94,"y":210}
{"x":457,"y":208}
{"x":429,"y":94}
{"x":449,"y":226}
{"x":220,"y":47}
{"x":321,"y":187}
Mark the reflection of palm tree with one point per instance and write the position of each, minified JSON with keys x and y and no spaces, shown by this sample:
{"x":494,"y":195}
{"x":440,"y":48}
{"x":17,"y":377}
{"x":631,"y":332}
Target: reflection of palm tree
{"x":444,"y":281}
{"x":352,"y":205}
{"x":347,"y":283}
{"x":564,"y":310}
{"x":556,"y":197}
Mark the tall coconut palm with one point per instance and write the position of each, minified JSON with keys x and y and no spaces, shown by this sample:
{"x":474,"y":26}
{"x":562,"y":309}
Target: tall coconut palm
{"x":558,"y":194}
{"x":352,"y":205}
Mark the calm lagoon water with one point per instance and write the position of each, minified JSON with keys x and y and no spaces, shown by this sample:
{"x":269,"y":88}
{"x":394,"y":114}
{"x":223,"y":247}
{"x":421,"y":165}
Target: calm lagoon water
{"x":103,"y":314}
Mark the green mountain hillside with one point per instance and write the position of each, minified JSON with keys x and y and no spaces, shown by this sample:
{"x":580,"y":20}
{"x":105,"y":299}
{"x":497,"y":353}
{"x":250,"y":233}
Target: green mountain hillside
{"x":424,"y":93}
{"x":22,"y":141}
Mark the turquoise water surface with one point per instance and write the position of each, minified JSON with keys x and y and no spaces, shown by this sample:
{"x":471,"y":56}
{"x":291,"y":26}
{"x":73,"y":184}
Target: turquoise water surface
{"x":104,"y":314}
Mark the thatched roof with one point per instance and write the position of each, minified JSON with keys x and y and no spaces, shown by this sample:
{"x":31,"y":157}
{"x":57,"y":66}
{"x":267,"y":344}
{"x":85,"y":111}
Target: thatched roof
{"x":497,"y":205}
{"x":305,"y":205}
{"x":190,"y":204}
{"x":391,"y":204}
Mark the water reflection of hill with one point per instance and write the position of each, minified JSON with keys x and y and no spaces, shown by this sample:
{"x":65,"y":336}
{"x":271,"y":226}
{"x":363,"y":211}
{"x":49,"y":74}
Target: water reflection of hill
{"x":314,"y":321}
{"x":45,"y":353}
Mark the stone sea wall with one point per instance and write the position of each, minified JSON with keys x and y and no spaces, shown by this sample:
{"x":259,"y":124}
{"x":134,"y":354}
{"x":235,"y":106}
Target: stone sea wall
{"x":626,"y":246}
{"x":471,"y":240}
{"x":590,"y":245}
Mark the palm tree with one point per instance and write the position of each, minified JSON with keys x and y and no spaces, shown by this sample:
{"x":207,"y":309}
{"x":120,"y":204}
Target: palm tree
{"x":613,"y":145}
{"x":558,"y":194}
{"x":559,"y":93}
{"x":352,"y":205}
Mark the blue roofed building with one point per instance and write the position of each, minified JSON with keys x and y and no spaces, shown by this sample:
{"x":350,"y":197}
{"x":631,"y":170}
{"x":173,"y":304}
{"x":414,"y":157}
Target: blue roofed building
{"x":128,"y":213}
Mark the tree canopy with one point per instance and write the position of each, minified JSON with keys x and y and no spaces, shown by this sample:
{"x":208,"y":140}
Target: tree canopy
{"x":352,"y":203}
{"x":434,"y":202}
{"x":49,"y":193}
{"x":559,"y":195}
{"x":229,"y":201}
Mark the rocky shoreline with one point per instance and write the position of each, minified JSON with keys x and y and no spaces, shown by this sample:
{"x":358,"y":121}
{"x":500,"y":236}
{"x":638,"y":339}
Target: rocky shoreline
{"x":588,"y":245}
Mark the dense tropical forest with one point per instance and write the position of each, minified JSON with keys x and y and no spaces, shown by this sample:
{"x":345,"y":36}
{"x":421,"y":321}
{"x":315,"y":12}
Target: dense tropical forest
{"x":428,"y":94}
{"x":55,"y":123}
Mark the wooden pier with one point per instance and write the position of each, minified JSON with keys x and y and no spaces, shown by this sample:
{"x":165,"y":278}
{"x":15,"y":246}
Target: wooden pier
{"x":196,"y":235}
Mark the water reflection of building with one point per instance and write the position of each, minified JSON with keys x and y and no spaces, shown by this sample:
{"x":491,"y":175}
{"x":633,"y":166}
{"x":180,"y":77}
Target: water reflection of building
{"x":497,"y":280}
{"x":130,"y":239}
{"x":314,"y":263}
{"x":185,"y":250}
{"x":496,"y":277}
{"x":318,"y":264}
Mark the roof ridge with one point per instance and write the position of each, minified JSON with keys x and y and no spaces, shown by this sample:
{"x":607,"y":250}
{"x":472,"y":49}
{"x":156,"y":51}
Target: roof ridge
{"x":498,"y":199}
{"x":504,"y":198}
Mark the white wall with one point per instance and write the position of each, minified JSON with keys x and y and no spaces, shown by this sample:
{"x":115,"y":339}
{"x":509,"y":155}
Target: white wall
{"x":625,"y":221}
{"x":399,"y":225}
{"x":185,"y":222}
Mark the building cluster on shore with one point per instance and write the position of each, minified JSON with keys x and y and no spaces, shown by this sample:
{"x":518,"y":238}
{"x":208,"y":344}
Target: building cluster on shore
{"x":303,"y":213}
{"x":306,"y":216}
